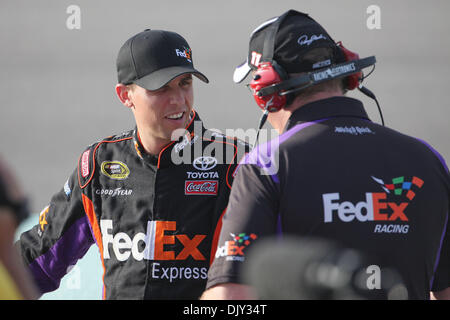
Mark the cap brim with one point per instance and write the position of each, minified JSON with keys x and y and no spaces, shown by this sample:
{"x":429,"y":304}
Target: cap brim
{"x":241,"y":72}
{"x":160,"y":78}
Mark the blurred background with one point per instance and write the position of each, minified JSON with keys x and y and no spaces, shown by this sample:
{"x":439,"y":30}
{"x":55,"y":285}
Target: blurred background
{"x":57,"y":84}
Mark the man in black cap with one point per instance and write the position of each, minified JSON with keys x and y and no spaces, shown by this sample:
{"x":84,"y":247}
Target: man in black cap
{"x":150,"y":198}
{"x":332,"y":173}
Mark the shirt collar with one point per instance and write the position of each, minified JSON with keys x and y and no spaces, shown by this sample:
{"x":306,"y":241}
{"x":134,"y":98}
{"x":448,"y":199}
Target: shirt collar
{"x":327,"y":108}
{"x":164,"y":157}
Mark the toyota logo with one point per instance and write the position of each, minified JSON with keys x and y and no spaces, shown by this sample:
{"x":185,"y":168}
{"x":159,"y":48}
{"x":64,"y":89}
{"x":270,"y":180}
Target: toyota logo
{"x":204,"y":163}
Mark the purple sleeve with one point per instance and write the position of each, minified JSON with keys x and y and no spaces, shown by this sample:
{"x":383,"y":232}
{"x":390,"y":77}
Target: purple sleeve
{"x":62,"y":236}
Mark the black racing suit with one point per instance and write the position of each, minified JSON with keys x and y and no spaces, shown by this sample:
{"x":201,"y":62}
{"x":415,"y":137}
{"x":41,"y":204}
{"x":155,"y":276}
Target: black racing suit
{"x":335,"y":174}
{"x":153,"y":217}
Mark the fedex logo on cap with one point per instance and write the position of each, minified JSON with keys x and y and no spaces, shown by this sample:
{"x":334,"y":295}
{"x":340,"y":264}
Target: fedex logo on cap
{"x":186,"y":53}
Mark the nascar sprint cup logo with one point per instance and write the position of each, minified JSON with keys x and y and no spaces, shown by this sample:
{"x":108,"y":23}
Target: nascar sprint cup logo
{"x":115,"y":170}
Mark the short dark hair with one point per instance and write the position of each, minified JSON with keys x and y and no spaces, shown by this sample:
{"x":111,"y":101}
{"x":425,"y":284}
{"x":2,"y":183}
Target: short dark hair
{"x":314,"y":56}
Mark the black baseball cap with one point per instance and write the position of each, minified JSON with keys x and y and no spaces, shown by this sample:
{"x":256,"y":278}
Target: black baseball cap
{"x":286,"y":39}
{"x":152,"y":58}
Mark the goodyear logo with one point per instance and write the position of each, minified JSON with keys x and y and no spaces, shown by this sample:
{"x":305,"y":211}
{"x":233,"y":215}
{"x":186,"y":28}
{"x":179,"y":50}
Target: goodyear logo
{"x":115,"y":170}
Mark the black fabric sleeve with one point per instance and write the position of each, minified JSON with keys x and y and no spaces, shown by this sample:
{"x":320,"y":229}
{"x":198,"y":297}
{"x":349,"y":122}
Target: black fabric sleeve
{"x":251,"y":214}
{"x":441,"y":278}
{"x":62,"y":236}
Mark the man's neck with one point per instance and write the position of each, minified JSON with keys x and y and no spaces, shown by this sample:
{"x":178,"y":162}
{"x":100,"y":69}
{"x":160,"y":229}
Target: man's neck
{"x":279,"y":119}
{"x":152,"y":145}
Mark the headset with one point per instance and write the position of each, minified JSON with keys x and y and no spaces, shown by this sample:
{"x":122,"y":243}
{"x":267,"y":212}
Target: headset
{"x":271,"y":87}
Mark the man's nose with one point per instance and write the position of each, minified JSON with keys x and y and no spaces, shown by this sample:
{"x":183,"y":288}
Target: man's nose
{"x":176,"y":96}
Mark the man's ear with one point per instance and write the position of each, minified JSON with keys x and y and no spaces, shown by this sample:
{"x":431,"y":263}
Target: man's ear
{"x":123,"y":93}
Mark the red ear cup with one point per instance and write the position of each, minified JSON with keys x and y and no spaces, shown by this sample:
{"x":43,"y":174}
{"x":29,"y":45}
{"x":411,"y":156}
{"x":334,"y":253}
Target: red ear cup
{"x":269,"y":74}
{"x":353,"y":80}
{"x":266,"y":75}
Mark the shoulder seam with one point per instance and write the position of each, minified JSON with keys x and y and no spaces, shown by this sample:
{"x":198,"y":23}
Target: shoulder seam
{"x":94,"y":150}
{"x":435,"y":153}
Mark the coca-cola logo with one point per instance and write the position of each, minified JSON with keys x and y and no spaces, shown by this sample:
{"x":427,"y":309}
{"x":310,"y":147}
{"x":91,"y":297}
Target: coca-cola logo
{"x":201,"y":187}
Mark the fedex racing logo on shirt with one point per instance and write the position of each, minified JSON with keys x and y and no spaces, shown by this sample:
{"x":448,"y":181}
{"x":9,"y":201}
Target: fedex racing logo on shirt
{"x":376,"y":206}
{"x":234,"y":249}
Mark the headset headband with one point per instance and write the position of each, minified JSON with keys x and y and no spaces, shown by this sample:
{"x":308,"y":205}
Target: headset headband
{"x":318,"y":76}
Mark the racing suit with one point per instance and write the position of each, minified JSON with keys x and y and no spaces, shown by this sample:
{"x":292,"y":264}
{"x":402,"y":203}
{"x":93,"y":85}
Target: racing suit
{"x":153,"y":218}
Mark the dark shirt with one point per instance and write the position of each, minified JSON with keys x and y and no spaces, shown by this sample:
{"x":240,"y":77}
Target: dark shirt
{"x":335,"y":174}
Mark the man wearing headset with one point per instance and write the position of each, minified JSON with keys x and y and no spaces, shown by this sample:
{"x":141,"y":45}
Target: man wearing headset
{"x":332,"y":172}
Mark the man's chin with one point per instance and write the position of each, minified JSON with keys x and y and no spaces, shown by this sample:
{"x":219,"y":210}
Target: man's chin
{"x":178,"y":128}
